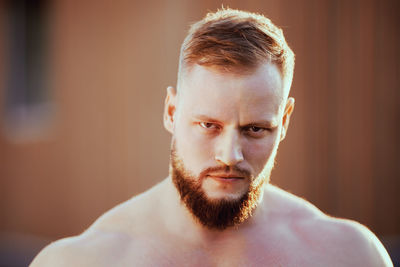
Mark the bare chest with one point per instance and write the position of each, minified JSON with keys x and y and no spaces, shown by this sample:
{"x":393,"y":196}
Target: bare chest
{"x":237,"y":253}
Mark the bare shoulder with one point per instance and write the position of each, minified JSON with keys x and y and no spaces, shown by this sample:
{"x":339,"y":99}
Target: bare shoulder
{"x":354,"y":240}
{"x":347,"y":242}
{"x":91,"y":248}
{"x":106,"y":241}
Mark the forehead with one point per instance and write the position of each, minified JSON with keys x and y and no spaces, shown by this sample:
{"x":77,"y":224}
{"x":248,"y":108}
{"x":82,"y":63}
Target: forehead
{"x":251,"y":96}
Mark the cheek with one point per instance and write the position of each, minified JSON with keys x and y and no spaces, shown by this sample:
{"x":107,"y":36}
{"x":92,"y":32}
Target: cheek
{"x":259,"y":152}
{"x":193,"y":148}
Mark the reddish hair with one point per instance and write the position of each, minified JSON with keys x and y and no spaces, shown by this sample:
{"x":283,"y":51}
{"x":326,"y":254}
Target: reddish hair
{"x":236,"y":41}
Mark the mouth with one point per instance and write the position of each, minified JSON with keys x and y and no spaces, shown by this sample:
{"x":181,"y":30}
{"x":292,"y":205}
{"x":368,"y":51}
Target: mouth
{"x":226,"y":177}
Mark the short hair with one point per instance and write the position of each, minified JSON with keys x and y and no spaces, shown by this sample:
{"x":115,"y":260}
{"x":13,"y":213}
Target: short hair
{"x":236,"y":41}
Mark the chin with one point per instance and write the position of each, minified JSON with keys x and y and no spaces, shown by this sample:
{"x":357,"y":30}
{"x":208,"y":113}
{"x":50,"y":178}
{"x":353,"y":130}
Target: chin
{"x":224,"y":189}
{"x":227,"y":196}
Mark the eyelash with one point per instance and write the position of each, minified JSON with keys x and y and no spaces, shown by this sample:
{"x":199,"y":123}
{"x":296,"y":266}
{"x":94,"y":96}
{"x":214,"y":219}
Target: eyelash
{"x":259,"y":129}
{"x":213,"y":126}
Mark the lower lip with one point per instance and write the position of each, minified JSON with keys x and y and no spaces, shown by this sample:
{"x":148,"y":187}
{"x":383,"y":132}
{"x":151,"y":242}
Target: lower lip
{"x":226,"y":179}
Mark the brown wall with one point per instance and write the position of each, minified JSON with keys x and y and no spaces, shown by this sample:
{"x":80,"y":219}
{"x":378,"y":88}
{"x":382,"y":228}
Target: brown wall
{"x":111,"y":63}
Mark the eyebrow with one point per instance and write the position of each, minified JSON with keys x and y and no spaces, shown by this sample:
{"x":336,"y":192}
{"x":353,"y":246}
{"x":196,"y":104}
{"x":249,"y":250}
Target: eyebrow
{"x":206,"y":118}
{"x":265,"y":123}
{"x":268,"y":124}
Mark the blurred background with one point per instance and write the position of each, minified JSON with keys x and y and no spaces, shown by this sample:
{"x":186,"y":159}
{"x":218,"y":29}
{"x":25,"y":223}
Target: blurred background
{"x":82,"y":85}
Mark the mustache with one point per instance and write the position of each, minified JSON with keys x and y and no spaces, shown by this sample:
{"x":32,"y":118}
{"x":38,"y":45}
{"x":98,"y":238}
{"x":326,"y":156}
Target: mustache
{"x":227,"y":170}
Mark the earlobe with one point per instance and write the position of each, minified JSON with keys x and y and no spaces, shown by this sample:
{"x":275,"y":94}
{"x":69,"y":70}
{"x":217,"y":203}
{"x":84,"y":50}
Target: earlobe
{"x":286,"y":116}
{"x":169,"y":109}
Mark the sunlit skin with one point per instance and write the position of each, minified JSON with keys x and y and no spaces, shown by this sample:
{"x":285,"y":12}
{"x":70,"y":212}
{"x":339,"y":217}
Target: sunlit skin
{"x":228,"y":123}
{"x":220,"y":119}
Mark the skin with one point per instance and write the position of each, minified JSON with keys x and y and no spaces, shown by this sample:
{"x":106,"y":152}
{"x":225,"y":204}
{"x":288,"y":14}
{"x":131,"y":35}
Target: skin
{"x":243,"y":119}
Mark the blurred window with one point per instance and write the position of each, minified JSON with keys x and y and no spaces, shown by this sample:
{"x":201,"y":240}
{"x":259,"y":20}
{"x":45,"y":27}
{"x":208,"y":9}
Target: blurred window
{"x":27,"y":94}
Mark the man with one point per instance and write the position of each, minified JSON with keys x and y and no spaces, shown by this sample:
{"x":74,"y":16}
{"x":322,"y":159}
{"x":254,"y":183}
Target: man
{"x":227,"y":117}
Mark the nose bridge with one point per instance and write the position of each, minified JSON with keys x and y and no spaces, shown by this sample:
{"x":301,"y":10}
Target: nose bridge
{"x":229,"y":148}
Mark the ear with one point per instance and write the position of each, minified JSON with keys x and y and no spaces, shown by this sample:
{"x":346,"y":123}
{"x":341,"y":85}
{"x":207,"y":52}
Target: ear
{"x":286,"y":116}
{"x":169,"y":109}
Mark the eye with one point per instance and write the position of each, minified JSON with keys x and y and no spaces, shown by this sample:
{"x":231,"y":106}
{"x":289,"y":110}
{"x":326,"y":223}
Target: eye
{"x":208,"y":125}
{"x":255,"y":131}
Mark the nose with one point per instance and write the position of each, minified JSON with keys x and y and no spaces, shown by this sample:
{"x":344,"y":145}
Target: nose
{"x":229,"y":149}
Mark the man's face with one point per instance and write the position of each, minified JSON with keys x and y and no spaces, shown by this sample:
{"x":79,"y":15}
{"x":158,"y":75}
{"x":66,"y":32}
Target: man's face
{"x":226,"y":130}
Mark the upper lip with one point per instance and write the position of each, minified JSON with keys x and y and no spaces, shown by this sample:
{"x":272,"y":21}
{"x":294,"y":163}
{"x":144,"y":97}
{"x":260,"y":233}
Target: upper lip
{"x":226,"y":175}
